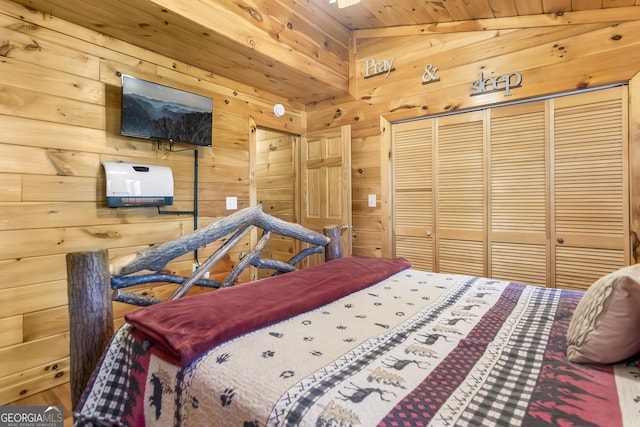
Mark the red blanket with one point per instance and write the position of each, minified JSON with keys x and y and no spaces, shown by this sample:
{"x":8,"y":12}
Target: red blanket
{"x":182,"y":330}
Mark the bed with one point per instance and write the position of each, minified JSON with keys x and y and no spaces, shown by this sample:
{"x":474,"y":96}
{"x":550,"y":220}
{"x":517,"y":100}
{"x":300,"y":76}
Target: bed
{"x":363,"y":341}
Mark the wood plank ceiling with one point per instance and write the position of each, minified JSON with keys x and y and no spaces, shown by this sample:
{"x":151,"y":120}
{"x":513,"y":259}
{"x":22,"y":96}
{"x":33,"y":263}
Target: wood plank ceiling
{"x":297,"y":50}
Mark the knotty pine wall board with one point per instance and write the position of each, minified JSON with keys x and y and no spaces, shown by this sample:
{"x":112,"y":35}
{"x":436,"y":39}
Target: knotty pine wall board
{"x":68,"y":127}
{"x":60,"y":115}
{"x":552,"y":59}
{"x":33,"y":380}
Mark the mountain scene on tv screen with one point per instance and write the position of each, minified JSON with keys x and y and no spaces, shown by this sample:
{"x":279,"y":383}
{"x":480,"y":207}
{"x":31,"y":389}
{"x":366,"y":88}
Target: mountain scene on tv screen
{"x":155,"y":119}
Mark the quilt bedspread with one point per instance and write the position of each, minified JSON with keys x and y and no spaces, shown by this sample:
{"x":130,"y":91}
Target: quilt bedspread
{"x":415,"y":349}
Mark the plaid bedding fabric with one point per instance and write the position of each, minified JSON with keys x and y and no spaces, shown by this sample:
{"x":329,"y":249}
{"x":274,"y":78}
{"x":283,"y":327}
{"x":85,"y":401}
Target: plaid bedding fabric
{"x":116,"y":388}
{"x":417,"y":349}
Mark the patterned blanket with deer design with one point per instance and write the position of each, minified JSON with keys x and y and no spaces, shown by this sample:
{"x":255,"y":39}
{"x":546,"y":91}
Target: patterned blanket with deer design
{"x":414,"y":349}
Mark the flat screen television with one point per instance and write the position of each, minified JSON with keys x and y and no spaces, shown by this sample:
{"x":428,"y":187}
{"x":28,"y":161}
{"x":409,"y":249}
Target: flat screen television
{"x":154,"y":111}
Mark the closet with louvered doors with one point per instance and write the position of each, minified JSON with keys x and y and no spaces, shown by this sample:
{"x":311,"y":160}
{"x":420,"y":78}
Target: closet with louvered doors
{"x":535,"y":192}
{"x":518,"y":240}
{"x":460,"y":199}
{"x":590,"y":214}
{"x":438,"y":193}
{"x":412,"y":167}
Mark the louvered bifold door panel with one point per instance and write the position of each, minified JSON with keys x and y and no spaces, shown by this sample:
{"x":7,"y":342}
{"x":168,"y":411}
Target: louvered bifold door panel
{"x":591,"y":222}
{"x":520,"y":262}
{"x":577,"y":268}
{"x":460,"y":194}
{"x":412,"y":165}
{"x":518,"y":243}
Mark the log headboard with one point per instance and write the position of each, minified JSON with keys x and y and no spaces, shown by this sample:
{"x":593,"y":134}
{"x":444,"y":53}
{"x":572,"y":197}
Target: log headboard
{"x":93,"y":283}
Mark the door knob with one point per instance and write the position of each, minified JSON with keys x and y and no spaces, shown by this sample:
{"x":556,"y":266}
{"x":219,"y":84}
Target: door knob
{"x":560,"y":240}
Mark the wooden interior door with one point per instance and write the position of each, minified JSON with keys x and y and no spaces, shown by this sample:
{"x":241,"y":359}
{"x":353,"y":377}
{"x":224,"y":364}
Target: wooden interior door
{"x":460,"y":198}
{"x":412,"y":207}
{"x":518,"y":193}
{"x":590,"y":235}
{"x":326,"y":184}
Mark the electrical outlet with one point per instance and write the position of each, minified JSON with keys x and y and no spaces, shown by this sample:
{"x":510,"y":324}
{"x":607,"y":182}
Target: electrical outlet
{"x":232,"y":203}
{"x":372,"y":201}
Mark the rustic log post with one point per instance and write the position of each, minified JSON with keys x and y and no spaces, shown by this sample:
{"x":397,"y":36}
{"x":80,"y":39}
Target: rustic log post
{"x":333,"y":249}
{"x":90,"y":315}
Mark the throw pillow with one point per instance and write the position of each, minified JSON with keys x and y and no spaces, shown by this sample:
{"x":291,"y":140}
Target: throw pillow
{"x":605,"y":327}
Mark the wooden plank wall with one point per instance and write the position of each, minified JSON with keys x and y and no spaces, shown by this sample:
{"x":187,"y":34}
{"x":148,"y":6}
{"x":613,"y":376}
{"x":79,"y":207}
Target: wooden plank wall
{"x":551,"y":59}
{"x":59,"y":115}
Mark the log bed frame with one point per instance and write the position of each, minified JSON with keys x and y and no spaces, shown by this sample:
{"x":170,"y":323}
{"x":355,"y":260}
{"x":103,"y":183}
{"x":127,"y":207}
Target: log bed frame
{"x":93,"y":283}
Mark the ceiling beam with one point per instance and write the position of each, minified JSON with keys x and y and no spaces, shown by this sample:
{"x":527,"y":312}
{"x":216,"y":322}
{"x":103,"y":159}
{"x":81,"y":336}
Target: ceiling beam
{"x":270,"y":29}
{"x":597,"y":16}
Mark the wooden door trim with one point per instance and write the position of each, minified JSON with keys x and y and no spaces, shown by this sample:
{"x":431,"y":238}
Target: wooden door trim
{"x":634,"y":168}
{"x":386,"y":188}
